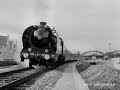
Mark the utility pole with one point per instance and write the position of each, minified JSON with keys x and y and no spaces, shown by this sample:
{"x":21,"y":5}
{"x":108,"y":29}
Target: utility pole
{"x":79,"y":56}
{"x":96,"y":51}
{"x":109,"y":45}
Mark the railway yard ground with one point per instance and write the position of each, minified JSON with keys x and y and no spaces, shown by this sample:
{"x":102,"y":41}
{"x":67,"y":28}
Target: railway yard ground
{"x":104,"y":76}
{"x":82,"y":75}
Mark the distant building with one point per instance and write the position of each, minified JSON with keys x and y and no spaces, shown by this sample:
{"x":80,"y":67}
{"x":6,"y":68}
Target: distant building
{"x":3,"y":43}
{"x":4,"y":40}
{"x":11,"y":44}
{"x":7,"y":46}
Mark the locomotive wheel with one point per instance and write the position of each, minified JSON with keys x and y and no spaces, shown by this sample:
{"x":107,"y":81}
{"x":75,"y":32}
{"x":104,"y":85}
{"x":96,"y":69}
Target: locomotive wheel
{"x":22,"y":59}
{"x":60,"y":60}
{"x":30,"y":64}
{"x":40,"y":65}
{"x":47,"y":65}
{"x":52,"y":63}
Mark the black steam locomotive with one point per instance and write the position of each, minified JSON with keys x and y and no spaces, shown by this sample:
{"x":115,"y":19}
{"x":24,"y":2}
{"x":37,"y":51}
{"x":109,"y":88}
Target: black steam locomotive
{"x":42,"y":45}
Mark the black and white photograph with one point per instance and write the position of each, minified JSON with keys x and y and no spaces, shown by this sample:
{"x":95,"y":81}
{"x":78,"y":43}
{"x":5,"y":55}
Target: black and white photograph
{"x":59,"y":44}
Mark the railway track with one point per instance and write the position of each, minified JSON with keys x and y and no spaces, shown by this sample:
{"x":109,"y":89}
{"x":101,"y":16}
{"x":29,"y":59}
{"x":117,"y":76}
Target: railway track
{"x":20,"y":79}
{"x":7,"y":63}
{"x":11,"y":79}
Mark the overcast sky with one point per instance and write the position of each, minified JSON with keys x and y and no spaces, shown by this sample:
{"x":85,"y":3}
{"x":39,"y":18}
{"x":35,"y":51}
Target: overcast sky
{"x":83,"y":24}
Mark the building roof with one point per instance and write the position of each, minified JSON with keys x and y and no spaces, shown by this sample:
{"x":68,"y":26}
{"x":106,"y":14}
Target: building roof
{"x":3,"y":40}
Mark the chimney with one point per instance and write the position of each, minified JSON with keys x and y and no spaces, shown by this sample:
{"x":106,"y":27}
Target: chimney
{"x":42,"y":24}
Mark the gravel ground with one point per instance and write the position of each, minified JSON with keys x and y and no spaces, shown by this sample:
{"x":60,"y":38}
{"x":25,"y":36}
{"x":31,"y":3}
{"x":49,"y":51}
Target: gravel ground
{"x":81,"y":66}
{"x":48,"y":80}
{"x":100,"y":77}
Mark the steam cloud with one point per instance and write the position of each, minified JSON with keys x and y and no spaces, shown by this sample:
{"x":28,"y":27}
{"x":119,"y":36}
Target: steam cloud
{"x":41,"y":9}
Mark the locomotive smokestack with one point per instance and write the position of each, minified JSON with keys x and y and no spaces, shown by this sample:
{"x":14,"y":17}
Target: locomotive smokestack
{"x":42,"y":24}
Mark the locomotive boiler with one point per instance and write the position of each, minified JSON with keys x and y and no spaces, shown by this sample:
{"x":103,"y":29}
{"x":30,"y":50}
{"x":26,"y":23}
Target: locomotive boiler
{"x":42,"y":45}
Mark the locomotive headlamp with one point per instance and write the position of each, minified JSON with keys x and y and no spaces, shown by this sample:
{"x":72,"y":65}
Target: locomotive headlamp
{"x":46,"y":50}
{"x":53,"y":55}
{"x":29,"y":49}
{"x":47,"y":57}
{"x":25,"y":55}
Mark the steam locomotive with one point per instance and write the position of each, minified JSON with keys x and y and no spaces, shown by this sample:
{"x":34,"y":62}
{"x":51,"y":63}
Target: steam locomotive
{"x":43,"y":46}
